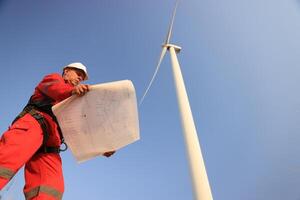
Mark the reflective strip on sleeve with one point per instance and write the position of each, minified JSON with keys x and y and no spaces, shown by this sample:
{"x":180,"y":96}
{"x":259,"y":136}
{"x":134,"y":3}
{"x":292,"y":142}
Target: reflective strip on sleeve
{"x":43,"y":189}
{"x":6,"y":173}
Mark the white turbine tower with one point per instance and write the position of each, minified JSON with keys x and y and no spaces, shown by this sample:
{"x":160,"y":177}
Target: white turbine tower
{"x":200,"y":181}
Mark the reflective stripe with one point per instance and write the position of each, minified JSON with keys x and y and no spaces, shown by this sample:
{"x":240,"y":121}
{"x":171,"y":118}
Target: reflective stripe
{"x":6,"y":173}
{"x":43,"y":189}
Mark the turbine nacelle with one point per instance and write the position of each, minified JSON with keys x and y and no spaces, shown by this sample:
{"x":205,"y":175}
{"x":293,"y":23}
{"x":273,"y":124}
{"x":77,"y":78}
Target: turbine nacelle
{"x":177,"y":48}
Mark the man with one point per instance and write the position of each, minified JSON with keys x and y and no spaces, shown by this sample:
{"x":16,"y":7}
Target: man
{"x":34,"y":138}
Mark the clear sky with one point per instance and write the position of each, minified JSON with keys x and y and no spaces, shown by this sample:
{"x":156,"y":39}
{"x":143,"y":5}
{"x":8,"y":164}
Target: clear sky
{"x":241,"y":65}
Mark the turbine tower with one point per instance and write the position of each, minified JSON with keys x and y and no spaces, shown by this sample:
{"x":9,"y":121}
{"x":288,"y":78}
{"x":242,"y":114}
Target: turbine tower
{"x":200,"y":181}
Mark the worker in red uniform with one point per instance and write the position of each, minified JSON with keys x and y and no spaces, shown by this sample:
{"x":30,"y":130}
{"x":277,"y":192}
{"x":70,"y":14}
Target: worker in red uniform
{"x":34,"y":138}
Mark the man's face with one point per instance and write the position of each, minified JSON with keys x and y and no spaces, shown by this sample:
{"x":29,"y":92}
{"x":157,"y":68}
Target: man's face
{"x":73,"y":76}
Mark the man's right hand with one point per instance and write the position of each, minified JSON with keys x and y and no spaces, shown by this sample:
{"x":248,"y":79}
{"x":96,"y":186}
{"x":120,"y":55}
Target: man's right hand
{"x":80,"y":89}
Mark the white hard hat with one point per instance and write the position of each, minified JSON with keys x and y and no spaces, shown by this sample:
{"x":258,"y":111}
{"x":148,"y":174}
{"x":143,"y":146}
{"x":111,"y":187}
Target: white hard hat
{"x":79,"y":65}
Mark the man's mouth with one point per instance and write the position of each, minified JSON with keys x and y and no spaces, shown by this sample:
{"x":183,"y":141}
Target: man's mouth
{"x":74,"y":82}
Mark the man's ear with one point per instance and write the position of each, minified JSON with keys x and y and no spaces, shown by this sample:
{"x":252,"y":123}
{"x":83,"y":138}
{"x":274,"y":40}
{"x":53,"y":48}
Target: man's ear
{"x":65,"y":70}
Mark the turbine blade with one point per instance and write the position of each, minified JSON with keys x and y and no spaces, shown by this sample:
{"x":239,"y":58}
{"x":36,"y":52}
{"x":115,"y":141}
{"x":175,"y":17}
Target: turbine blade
{"x":171,"y":24}
{"x":163,"y":52}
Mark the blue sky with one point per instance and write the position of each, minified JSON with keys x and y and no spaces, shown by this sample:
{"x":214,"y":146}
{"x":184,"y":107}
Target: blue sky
{"x":240,"y":61}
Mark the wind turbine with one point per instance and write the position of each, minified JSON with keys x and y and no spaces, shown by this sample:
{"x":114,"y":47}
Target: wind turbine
{"x":200,"y":181}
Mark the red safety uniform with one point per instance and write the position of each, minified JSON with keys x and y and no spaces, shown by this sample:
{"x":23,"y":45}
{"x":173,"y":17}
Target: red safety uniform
{"x":20,"y":143}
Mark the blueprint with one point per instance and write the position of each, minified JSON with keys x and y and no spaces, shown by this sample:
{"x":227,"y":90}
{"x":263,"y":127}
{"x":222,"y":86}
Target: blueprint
{"x":104,"y":119}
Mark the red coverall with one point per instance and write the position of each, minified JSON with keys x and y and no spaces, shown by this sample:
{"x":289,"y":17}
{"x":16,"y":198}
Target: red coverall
{"x":19,"y":145}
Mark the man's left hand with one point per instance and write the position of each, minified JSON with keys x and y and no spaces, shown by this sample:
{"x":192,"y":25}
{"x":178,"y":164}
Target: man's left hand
{"x":109,"y":153}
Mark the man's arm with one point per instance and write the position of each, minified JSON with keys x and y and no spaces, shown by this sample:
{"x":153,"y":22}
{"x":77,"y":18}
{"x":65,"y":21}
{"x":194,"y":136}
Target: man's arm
{"x":54,"y":86}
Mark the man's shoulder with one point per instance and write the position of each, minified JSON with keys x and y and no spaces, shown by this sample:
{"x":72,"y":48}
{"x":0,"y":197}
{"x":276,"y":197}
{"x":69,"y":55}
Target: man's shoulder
{"x":54,"y":76}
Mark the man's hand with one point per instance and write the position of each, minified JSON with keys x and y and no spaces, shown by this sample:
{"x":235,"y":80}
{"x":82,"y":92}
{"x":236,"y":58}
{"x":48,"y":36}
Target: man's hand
{"x":109,"y":153}
{"x":80,"y":89}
